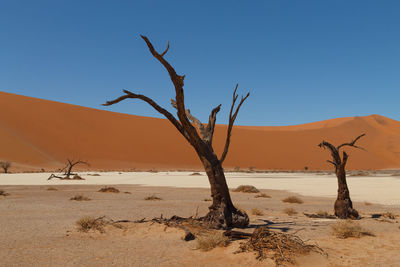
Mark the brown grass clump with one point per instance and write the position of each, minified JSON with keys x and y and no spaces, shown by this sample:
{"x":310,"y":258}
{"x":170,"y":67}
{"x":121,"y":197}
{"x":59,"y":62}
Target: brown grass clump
{"x":87,"y":223}
{"x":389,"y":215}
{"x":293,"y":199}
{"x":207,"y":199}
{"x":246,"y":189}
{"x":263,"y":195}
{"x":80,"y":198}
{"x":290,"y":211}
{"x":322,"y":213}
{"x":212,"y":240}
{"x":3,"y":193}
{"x":109,"y":189}
{"x":152,"y":197}
{"x":196,"y":174}
{"x":129,"y":193}
{"x":52,"y":189}
{"x":279,"y":247}
{"x":257,"y":212}
{"x":349,"y":228}
{"x":366,"y":203}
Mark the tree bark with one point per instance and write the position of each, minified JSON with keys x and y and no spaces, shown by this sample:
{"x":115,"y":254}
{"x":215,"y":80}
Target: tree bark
{"x":343,"y":204}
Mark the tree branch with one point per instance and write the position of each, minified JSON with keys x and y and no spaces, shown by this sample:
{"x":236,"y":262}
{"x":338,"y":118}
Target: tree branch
{"x":352,"y":143}
{"x":333,"y":150}
{"x":150,"y":101}
{"x":232,"y":118}
{"x":177,"y":80}
{"x":192,"y":118}
{"x":211,"y":125}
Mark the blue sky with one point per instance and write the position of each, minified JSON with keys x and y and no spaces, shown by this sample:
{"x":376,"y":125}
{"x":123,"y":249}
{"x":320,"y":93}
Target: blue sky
{"x":302,"y":61}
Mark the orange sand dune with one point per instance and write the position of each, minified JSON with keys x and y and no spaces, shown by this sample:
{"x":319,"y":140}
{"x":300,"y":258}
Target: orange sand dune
{"x":36,"y":133}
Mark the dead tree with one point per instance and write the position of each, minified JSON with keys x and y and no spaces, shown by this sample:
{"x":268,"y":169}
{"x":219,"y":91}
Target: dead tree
{"x":71,"y":163}
{"x":343,"y":205}
{"x":5,"y":165}
{"x":222,"y":213}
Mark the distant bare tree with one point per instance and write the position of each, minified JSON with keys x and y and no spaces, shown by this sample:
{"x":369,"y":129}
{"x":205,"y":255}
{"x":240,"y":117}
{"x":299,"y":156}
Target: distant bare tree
{"x":71,"y":163}
{"x":222,"y":213}
{"x":343,"y":205}
{"x":5,"y":165}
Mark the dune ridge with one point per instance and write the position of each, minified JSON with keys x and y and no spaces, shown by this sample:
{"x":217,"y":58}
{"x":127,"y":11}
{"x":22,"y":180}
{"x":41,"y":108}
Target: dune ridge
{"x":37,"y":133}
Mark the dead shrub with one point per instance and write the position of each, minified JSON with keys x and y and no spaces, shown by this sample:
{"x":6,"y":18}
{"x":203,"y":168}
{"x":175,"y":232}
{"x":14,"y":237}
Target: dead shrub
{"x":366,"y":203}
{"x":263,"y":195}
{"x":207,"y":242}
{"x":196,"y":174}
{"x":52,"y":189}
{"x":109,"y":189}
{"x":152,"y":197}
{"x":3,"y":193}
{"x":80,"y":198}
{"x":207,"y":199}
{"x":293,"y":199}
{"x":290,"y":211}
{"x":322,"y":213}
{"x":77,"y":177}
{"x":389,"y":215}
{"x":85,"y":224}
{"x":257,"y":212}
{"x":246,"y":189}
{"x":129,"y":193}
{"x":348,"y":228}
{"x":279,"y":247}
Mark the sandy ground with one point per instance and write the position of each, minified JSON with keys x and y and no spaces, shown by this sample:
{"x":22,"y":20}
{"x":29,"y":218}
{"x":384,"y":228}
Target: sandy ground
{"x":381,"y":188}
{"x":38,"y":227}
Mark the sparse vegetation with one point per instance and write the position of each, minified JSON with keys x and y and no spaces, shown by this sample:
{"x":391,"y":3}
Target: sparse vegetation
{"x":366,"y":203}
{"x":293,"y":199}
{"x":290,"y":211}
{"x":129,"y":193}
{"x":5,"y":165}
{"x":152,"y":197}
{"x":322,"y":213}
{"x":80,"y":198}
{"x":3,"y":193}
{"x":85,"y":224}
{"x":236,"y":169}
{"x":207,"y":199}
{"x":52,"y":189}
{"x":257,"y":212}
{"x":348,"y":228}
{"x":195,"y":174}
{"x":246,"y":189}
{"x":212,"y":240}
{"x":109,"y":189}
{"x":263,"y":195}
{"x":389,"y":215}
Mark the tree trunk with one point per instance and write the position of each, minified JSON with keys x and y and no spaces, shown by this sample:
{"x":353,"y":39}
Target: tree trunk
{"x":343,"y":205}
{"x":222,"y":214}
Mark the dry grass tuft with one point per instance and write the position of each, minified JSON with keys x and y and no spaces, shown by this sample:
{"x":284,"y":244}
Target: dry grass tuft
{"x":196,"y":174}
{"x":389,"y":215}
{"x":52,"y":189}
{"x":293,"y":199}
{"x":349,"y":228}
{"x":277,"y":246}
{"x":366,"y":203}
{"x":207,"y":199}
{"x":257,"y":212}
{"x":246,"y":189}
{"x":3,"y":193}
{"x":290,"y":211}
{"x":152,"y":197}
{"x":212,"y":240}
{"x":85,"y":224}
{"x":129,"y":193}
{"x":322,"y":213}
{"x":263,"y":195}
{"x":109,"y":189}
{"x":80,"y":198}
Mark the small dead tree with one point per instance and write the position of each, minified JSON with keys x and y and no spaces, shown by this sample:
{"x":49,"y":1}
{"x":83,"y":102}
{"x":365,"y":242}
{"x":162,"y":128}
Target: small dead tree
{"x":343,"y":205}
{"x":71,"y":163}
{"x":5,"y":165}
{"x":222,"y":213}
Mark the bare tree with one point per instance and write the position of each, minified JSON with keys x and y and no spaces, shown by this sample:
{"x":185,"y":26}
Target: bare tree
{"x":343,"y":205}
{"x":71,"y":163}
{"x":222,"y":213}
{"x":5,"y":165}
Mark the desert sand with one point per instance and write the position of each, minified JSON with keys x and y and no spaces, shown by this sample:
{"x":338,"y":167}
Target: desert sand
{"x":39,"y":134}
{"x":38,"y":226}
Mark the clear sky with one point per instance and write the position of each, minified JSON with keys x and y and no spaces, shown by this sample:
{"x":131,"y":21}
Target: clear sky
{"x":302,"y":61}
